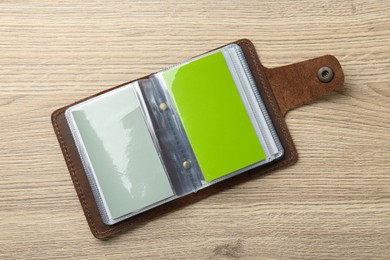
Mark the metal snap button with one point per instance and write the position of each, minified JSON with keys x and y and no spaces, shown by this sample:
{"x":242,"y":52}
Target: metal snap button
{"x":325,"y":74}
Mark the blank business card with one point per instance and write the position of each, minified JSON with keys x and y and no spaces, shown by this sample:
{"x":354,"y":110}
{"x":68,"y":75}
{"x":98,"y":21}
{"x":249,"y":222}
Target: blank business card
{"x":120,"y":151}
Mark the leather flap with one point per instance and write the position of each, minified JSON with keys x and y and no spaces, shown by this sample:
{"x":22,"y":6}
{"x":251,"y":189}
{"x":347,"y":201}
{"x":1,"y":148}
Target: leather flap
{"x":298,"y":84}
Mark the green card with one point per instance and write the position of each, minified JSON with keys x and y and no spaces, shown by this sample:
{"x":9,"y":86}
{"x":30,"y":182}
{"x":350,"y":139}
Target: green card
{"x":121,"y":152}
{"x":214,"y":117}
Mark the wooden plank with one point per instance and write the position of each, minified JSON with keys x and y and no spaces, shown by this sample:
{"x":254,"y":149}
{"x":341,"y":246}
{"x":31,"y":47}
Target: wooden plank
{"x":334,"y":203}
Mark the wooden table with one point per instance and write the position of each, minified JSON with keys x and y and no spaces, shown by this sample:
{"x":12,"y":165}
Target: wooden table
{"x":334,"y":203}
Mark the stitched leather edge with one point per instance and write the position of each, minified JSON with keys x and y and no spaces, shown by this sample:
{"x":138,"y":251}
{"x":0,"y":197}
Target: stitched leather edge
{"x":75,"y":179}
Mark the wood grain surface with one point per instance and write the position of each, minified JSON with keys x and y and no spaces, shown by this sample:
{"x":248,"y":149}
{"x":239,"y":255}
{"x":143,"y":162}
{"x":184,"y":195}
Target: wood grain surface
{"x":333,"y":204}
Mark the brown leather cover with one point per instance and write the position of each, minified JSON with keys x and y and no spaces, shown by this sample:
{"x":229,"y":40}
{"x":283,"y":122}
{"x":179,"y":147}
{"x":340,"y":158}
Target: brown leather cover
{"x":291,"y":86}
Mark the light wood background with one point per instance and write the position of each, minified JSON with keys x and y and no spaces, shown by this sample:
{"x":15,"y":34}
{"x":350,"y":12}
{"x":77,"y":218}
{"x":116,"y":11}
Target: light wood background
{"x":333,"y":204}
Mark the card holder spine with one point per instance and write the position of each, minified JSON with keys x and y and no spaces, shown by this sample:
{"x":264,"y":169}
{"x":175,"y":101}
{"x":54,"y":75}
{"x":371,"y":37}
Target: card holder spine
{"x":172,"y":143}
